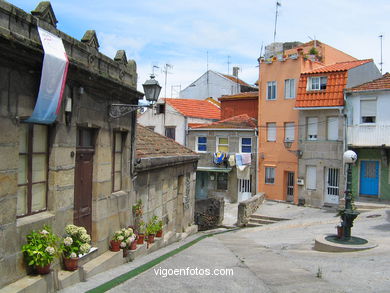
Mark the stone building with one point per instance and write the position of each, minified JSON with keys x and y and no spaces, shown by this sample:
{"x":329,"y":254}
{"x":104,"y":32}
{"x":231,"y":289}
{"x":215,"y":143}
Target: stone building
{"x":165,"y":181}
{"x":77,"y":169}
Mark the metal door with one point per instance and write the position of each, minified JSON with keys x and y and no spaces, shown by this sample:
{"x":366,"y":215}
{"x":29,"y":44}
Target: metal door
{"x":202,"y":182}
{"x":83,"y":189}
{"x":290,"y":187}
{"x":369,"y":178}
{"x":244,"y":189}
{"x":332,"y":186}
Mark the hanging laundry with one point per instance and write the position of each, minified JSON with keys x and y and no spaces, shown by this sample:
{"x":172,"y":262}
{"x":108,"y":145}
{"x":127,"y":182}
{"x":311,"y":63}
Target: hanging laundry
{"x":243,"y":172}
{"x":246,"y":159}
{"x":238,"y":160}
{"x":219,"y":158}
{"x":232,"y":160}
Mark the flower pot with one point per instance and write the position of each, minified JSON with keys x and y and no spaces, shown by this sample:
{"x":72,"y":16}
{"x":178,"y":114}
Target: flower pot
{"x":115,"y":245}
{"x":71,"y":263}
{"x":159,"y":233}
{"x":140,"y":239}
{"x":43,"y":270}
{"x":125,"y":252}
{"x":133,"y":245}
{"x":340,"y":231}
{"x":151,"y":238}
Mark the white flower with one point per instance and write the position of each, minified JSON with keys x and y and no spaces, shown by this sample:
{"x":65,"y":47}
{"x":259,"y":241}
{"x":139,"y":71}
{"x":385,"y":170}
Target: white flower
{"x":71,"y":229}
{"x":130,"y":230}
{"x":85,"y":248}
{"x":50,"y":250}
{"x":120,"y":238}
{"x":44,"y":232}
{"x":73,"y":255}
{"x":123,"y":244}
{"x":127,"y":233}
{"x":81,"y":230}
{"x":85,"y":238}
{"x":68,"y":241}
{"x":128,"y":241}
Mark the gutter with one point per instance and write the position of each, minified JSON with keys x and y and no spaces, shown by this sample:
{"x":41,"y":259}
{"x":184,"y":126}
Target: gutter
{"x":223,"y":129}
{"x":319,"y":108}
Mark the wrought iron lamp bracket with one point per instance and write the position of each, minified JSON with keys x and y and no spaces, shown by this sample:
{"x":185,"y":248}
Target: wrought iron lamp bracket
{"x":120,"y":110}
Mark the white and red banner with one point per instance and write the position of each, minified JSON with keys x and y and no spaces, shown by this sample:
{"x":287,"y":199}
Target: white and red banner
{"x":53,"y":78}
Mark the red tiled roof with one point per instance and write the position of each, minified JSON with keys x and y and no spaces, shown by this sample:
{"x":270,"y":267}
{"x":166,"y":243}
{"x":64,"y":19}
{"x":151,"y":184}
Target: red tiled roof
{"x":382,"y":83}
{"x":236,"y":79}
{"x":244,"y":95}
{"x":192,"y":125}
{"x":152,"y":144}
{"x":333,"y":95}
{"x":196,"y":108}
{"x":237,"y":122}
{"x":341,"y":66}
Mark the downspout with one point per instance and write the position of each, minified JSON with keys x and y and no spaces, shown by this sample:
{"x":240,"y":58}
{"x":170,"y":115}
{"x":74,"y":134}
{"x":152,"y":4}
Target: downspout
{"x":257,"y":161}
{"x":185,"y":130}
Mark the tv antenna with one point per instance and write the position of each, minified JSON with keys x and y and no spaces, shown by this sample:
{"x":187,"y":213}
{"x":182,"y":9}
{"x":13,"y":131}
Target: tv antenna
{"x":228,"y":64}
{"x":381,"y":63}
{"x":166,"y":71}
{"x":276,"y":17}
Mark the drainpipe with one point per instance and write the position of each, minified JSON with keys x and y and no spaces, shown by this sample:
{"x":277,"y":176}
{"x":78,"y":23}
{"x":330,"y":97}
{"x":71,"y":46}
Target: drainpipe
{"x":257,"y":161}
{"x":185,"y":130}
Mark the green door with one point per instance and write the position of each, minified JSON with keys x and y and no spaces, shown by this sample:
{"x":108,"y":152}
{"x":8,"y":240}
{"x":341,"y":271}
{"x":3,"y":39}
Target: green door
{"x":202,"y":182}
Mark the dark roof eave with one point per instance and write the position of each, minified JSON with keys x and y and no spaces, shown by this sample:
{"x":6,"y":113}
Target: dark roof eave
{"x":151,"y":163}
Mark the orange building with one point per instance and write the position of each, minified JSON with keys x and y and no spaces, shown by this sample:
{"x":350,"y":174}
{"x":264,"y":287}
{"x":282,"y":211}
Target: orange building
{"x":242,"y":103}
{"x":278,"y":121}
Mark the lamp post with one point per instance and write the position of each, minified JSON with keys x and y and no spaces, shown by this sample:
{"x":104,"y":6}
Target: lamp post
{"x":152,"y":91}
{"x":348,"y":214}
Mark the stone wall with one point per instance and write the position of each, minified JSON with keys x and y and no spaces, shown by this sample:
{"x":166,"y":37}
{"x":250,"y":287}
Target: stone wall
{"x":209,"y":212}
{"x":94,"y":82}
{"x":247,"y":207}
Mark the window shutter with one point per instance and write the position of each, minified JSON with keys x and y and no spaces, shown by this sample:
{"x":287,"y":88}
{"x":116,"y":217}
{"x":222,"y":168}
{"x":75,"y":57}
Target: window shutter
{"x":368,"y":108}
{"x":271,"y":131}
{"x":333,"y":128}
{"x":289,"y":131}
{"x":312,"y":128}
{"x":311,"y":177}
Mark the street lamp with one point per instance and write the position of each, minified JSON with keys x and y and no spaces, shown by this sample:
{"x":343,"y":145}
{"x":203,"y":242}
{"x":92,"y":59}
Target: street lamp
{"x":348,"y":215}
{"x":152,"y":91}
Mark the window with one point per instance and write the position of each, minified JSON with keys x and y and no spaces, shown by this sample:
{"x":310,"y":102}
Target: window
{"x":160,"y":109}
{"x":271,"y":131}
{"x":289,"y":129}
{"x":289,"y":89}
{"x":312,"y":128}
{"x":119,"y":138}
{"x":222,"y":144}
{"x":311,"y":177}
{"x":269,"y":175}
{"x":332,"y":128}
{"x":201,"y":144}
{"x":170,"y":132}
{"x":271,"y":90}
{"x":367,"y":111}
{"x":317,"y":83}
{"x":246,"y":145}
{"x":32,"y":171}
{"x":222,"y":181}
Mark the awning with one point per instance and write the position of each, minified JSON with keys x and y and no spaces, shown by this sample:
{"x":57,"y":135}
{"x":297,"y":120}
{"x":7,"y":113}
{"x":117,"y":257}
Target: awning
{"x":213,"y":169}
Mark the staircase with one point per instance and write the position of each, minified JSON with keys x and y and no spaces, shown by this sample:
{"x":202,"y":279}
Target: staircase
{"x":257,"y":220}
{"x":366,"y":206}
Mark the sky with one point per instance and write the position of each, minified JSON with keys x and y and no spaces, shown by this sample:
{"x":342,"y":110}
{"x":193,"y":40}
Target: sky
{"x":191,"y":36}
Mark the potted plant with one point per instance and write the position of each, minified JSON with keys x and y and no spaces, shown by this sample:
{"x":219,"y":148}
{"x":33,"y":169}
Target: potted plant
{"x":150,"y":231}
{"x":41,"y":249}
{"x":74,"y":244}
{"x":137,"y":214}
{"x":124,"y":239}
{"x":159,"y":226}
{"x":141,"y":233}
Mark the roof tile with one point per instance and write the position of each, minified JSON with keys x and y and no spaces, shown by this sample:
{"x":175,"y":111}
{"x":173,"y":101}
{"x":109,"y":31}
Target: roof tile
{"x":242,"y":121}
{"x":196,"y":108}
{"x":382,"y":83}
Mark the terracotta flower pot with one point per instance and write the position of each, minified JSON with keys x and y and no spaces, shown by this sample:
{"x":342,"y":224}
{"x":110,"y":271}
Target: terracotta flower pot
{"x":140,"y":239}
{"x":115,"y":245}
{"x":159,"y":233}
{"x":340,"y":231}
{"x":43,"y":270}
{"x":133,"y":245}
{"x":71,"y":263}
{"x":151,"y":238}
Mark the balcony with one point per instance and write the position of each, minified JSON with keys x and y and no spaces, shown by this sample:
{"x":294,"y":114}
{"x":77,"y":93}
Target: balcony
{"x":368,"y":135}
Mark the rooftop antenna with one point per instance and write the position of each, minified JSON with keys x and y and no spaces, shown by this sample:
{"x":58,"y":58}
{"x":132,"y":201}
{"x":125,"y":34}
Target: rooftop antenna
{"x":315,"y":41}
{"x":276,"y":17}
{"x":165,"y":70}
{"x":228,"y":63}
{"x":381,"y":63}
{"x":207,"y":59}
{"x":154,"y":66}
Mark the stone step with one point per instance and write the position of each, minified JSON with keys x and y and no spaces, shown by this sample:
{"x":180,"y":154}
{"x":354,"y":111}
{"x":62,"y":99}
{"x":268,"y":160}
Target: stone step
{"x":252,"y":224}
{"x":261,"y":221}
{"x":102,"y":263}
{"x":258,"y":216}
{"x":370,"y":206}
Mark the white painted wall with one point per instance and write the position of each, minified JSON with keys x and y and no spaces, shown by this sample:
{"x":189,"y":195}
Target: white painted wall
{"x":210,"y":84}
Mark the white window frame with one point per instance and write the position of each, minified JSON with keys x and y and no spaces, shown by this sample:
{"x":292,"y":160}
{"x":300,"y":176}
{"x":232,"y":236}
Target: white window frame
{"x":317,"y":83}
{"x":241,"y":145}
{"x":312,"y":124}
{"x":272,"y":84}
{"x":368,"y":112}
{"x":311,"y":177}
{"x":218,"y":144}
{"x":271,"y":130}
{"x":289,"y":131}
{"x":197,"y":144}
{"x":332,"y":128}
{"x":289,"y":88}
{"x":269,"y":177}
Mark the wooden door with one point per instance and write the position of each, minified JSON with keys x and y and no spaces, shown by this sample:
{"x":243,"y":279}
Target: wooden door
{"x":83,"y":189}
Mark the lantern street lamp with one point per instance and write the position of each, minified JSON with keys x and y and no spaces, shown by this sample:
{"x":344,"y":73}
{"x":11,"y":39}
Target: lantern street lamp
{"x":348,"y":215}
{"x":152,"y":91}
